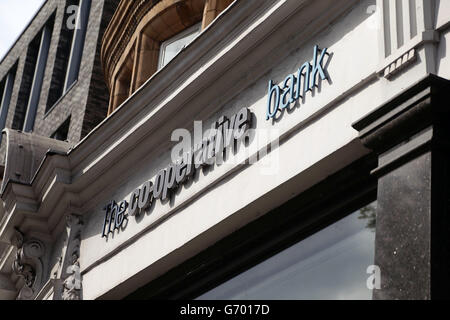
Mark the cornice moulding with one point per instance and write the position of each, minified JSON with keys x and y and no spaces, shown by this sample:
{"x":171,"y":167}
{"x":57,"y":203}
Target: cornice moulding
{"x":62,"y":178}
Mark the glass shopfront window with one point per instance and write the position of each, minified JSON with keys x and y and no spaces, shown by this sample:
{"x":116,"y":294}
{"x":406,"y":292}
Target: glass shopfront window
{"x":329,"y":265}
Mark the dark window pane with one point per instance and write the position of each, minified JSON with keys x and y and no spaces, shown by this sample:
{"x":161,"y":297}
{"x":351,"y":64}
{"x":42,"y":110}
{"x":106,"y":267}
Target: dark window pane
{"x":6,"y":89}
{"x":62,"y":132}
{"x":26,"y":82}
{"x":62,"y":57}
{"x":331,"y":264}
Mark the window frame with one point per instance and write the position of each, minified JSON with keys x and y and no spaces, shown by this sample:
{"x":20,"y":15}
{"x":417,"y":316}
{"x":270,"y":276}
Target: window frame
{"x":183,"y":34}
{"x":6,"y":92}
{"x":70,"y":55}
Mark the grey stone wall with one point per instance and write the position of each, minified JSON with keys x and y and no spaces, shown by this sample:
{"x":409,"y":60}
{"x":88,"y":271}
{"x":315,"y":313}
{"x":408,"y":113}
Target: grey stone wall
{"x":87,"y":100}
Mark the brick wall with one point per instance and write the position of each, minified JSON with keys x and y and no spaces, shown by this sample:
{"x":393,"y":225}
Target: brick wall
{"x":98,"y":97}
{"x":87,"y":101}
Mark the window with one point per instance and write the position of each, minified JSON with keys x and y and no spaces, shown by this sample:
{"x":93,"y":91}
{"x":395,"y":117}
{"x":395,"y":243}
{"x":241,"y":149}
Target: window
{"x":62,"y":56}
{"x":32,"y":78}
{"x":6,"y":88}
{"x":70,"y":50}
{"x":2,"y":88}
{"x":78,"y":43}
{"x":38,"y":79}
{"x":25,"y":85}
{"x":329,"y":265}
{"x":2,"y":96}
{"x":173,"y":46}
{"x":62,"y":132}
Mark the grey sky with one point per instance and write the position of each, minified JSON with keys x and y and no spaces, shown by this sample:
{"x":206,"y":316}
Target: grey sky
{"x":14,"y":17}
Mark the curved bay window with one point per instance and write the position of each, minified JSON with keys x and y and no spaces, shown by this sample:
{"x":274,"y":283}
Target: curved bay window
{"x":143,"y":36}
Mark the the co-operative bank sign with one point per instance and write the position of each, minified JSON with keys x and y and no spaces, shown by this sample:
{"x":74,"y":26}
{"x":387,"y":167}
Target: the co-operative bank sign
{"x":227,"y":132}
{"x":296,"y":86}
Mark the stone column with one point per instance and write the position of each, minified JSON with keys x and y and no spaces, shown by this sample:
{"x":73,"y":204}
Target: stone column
{"x":122,"y":85}
{"x":146,"y":60}
{"x":411,"y":135}
{"x":212,"y":9}
{"x":121,"y":93}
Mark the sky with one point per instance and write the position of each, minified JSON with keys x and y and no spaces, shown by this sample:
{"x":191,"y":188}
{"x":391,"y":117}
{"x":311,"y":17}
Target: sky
{"x":14,"y":17}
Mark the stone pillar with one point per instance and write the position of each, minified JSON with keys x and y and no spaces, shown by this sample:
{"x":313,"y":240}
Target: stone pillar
{"x":121,"y":92}
{"x":411,"y":136}
{"x":212,"y":9}
{"x":76,"y":52}
{"x":146,"y":60}
{"x":122,"y":85}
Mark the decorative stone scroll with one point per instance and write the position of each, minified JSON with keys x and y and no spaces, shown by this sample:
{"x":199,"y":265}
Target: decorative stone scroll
{"x":66,"y":274}
{"x":28,"y":265}
{"x":72,"y":284}
{"x":70,"y":275}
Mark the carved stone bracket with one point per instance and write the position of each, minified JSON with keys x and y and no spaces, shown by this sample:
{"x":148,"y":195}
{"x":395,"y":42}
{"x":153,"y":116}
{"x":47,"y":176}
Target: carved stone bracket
{"x":400,"y":64}
{"x":67,"y":271}
{"x":28,"y":265}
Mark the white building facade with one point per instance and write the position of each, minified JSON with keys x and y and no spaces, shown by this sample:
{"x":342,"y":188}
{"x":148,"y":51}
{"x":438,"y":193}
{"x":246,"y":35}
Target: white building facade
{"x":337,"y":188}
